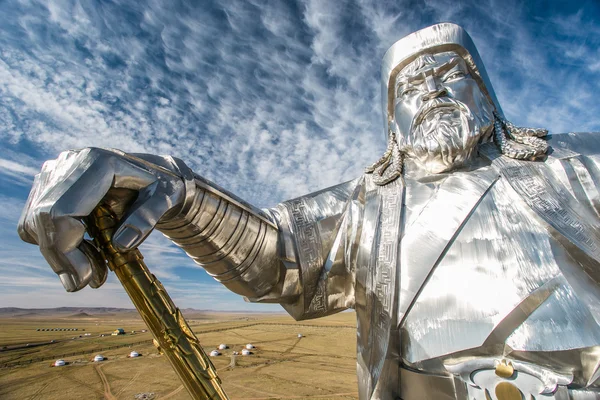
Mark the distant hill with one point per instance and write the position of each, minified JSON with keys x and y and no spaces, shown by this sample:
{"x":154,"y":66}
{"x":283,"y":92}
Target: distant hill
{"x":79,"y":315}
{"x":83,"y":312}
{"x":27,"y":314}
{"x":62,"y":311}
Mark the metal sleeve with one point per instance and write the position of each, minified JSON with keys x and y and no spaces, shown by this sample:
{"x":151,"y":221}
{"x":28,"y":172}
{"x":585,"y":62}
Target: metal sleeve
{"x":234,"y":244}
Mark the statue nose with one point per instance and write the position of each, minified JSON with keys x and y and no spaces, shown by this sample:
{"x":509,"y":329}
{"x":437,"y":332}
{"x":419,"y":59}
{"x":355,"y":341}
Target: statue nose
{"x":433,"y":89}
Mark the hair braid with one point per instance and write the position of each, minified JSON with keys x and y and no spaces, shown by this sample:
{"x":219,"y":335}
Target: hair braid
{"x":517,"y":142}
{"x":389,"y":166}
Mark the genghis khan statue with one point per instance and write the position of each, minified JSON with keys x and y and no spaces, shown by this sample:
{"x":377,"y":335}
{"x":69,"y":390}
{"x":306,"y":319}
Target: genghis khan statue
{"x":470,"y":250}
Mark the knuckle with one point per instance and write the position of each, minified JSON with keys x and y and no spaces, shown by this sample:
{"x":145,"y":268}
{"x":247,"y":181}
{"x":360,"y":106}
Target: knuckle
{"x":95,"y":151}
{"x":97,"y":154}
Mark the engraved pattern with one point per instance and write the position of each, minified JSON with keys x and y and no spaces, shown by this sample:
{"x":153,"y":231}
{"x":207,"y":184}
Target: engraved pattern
{"x":543,"y":199}
{"x":535,"y":194}
{"x":388,"y":247}
{"x":319,"y":303}
{"x":308,"y":241}
{"x":381,"y":285}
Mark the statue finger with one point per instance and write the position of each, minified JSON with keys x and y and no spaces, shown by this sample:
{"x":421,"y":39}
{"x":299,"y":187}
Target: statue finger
{"x":99,"y":267}
{"x":73,"y":259}
{"x":104,"y":170}
{"x":64,"y":187}
{"x":152,"y":203}
{"x":61,"y":251}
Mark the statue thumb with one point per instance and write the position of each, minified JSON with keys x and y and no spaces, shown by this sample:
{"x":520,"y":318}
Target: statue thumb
{"x":152,"y":203}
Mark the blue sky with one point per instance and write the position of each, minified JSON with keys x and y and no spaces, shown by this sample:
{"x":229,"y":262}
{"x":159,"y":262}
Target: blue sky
{"x":270,"y":99}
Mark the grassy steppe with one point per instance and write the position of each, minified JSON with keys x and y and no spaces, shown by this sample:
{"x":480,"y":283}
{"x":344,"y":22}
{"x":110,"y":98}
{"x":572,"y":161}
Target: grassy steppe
{"x":322,"y":364}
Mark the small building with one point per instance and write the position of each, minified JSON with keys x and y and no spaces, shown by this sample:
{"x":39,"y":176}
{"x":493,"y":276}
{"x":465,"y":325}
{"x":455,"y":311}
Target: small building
{"x":59,"y":363}
{"x":215,"y":353}
{"x":98,"y":358}
{"x":246,"y":352}
{"x":223,"y":346}
{"x":249,"y":346}
{"x":299,"y":335}
{"x":133,"y":354}
{"x":118,"y":331}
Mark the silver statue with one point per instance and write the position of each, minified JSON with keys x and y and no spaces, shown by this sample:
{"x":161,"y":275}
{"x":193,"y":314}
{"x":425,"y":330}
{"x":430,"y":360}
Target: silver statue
{"x":470,"y":251}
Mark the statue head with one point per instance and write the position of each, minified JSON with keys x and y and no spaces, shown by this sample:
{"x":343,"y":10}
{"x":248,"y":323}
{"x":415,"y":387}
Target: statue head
{"x":439,"y":112}
{"x":438,"y":104}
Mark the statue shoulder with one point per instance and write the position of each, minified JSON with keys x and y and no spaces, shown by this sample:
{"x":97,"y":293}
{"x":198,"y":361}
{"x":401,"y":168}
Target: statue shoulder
{"x":584,"y":143}
{"x":328,"y":199}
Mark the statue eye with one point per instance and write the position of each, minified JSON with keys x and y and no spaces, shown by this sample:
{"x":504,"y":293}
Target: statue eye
{"x":454,"y":76}
{"x":407,"y":92}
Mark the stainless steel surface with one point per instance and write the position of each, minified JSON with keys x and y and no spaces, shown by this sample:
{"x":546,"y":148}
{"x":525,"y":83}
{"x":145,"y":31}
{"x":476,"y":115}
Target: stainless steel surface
{"x":473,"y":269}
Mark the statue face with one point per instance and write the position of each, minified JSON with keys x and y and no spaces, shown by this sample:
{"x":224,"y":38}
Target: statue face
{"x":440,"y":113}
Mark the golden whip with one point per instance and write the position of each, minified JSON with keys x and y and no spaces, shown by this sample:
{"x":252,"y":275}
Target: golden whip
{"x":165,"y":321}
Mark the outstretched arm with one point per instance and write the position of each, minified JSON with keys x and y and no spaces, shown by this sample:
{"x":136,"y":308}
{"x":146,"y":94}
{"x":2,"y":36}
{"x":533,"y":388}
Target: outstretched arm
{"x":294,"y":254}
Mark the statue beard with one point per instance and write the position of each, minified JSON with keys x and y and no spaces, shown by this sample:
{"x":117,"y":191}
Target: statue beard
{"x":445,"y":134}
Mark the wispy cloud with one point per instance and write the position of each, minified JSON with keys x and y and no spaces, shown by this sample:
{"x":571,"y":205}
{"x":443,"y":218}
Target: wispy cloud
{"x":270,"y":101}
{"x":20,"y":173}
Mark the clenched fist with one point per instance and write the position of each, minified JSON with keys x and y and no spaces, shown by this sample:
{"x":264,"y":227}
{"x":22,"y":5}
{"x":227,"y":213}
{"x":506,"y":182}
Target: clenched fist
{"x":141,"y":189}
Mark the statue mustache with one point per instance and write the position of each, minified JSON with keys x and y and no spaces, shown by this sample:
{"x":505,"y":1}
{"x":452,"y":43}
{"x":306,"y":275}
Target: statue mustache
{"x":436,"y":104}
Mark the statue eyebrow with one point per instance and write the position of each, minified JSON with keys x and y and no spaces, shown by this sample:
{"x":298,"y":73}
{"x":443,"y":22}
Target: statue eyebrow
{"x":417,"y":76}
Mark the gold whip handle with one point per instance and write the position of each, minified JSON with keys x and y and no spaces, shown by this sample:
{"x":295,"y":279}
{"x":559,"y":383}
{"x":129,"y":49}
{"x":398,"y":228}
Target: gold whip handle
{"x":164,"y":320}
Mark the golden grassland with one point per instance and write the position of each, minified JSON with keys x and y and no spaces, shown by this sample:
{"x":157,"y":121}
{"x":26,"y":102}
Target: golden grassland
{"x":321,"y":364}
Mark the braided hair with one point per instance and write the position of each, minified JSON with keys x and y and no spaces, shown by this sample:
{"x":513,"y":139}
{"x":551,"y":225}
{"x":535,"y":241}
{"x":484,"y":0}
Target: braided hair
{"x":390,"y":166}
{"x":515,"y":142}
{"x":519,"y":143}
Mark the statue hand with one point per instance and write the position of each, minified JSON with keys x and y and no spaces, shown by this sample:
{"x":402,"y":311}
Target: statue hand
{"x":69,"y":188}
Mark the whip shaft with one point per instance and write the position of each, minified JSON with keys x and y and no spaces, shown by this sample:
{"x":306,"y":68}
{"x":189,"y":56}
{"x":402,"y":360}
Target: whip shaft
{"x":174,"y":336}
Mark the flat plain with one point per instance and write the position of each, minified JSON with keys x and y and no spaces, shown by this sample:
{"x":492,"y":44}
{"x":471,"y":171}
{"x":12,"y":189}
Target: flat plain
{"x":320,"y":364}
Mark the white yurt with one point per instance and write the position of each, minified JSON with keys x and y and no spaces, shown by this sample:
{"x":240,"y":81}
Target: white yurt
{"x":299,"y":335}
{"x":99,"y":357}
{"x":215,"y":353}
{"x":134,"y":354}
{"x":59,"y":363}
{"x":222,"y":346}
{"x":249,"y":346}
{"x":246,"y":352}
